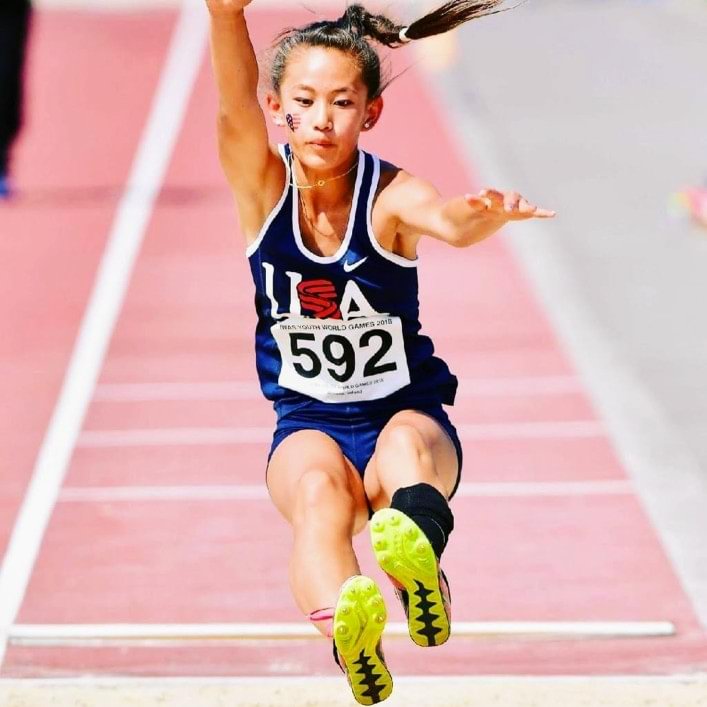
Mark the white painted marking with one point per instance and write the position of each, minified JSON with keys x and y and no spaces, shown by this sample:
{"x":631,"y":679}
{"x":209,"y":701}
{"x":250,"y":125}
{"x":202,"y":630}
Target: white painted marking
{"x":133,"y":213}
{"x":180,"y":436}
{"x":533,"y":430}
{"x":520,"y":386}
{"x":668,"y":477}
{"x":84,"y":634}
{"x":301,"y":680}
{"x":617,"y":487}
{"x":187,"y":436}
{"x":248,"y":390}
{"x":157,"y":392}
{"x":117,"y":494}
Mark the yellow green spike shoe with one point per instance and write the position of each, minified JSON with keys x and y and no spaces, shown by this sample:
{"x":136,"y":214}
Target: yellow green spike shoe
{"x":359,"y":620}
{"x":406,"y":556}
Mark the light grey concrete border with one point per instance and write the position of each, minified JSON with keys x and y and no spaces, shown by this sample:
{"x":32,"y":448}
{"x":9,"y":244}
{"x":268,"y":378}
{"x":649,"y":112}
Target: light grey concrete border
{"x":666,"y":474}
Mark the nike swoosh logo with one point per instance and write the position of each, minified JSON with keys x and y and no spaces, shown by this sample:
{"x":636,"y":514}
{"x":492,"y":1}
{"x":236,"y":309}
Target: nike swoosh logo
{"x":348,"y":267}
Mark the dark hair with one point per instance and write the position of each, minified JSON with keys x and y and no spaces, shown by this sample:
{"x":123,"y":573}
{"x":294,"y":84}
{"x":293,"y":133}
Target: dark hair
{"x":349,"y":32}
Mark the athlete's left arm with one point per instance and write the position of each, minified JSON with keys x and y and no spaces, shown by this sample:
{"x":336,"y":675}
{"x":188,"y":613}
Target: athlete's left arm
{"x":462,"y":220}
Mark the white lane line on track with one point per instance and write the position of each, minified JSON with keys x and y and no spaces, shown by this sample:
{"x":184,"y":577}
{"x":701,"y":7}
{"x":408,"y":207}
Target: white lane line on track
{"x":188,"y":436}
{"x":668,"y":477}
{"x":91,"y":634}
{"x":132,"y":217}
{"x":532,"y":430}
{"x":248,"y":390}
{"x":101,"y":681}
{"x":116,"y":494}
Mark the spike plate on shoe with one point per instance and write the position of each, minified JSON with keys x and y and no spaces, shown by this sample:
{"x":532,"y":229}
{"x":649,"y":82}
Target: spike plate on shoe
{"x":407,"y":556}
{"x":359,"y":620}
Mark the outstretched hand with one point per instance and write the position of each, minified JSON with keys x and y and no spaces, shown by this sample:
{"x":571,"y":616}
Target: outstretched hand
{"x":505,"y":206}
{"x":474,"y":217}
{"x":224,"y":7}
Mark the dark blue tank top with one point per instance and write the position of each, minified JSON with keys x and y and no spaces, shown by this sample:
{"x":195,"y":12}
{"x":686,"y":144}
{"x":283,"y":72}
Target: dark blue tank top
{"x":340,"y":329}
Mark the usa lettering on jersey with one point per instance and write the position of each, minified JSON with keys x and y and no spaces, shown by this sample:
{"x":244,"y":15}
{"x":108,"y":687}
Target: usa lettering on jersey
{"x":317,"y":297}
{"x":335,"y":349}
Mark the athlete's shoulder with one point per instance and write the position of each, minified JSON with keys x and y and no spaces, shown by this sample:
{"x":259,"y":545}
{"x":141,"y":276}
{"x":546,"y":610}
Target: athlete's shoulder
{"x":397,"y":193}
{"x":398,"y":188}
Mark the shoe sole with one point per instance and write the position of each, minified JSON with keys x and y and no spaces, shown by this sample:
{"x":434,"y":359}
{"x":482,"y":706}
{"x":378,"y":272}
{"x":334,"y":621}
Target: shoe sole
{"x":359,"y":620}
{"x":403,"y":552}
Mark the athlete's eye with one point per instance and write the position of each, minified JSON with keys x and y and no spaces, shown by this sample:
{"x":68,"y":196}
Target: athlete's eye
{"x":304,"y":101}
{"x":344,"y":103}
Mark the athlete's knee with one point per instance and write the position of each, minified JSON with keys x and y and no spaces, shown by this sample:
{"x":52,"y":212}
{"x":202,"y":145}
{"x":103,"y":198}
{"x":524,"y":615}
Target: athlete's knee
{"x":403,"y":437}
{"x":319,"y":493}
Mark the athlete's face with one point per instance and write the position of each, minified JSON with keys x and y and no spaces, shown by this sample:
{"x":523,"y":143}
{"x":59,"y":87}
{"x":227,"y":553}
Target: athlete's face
{"x":324,"y":105}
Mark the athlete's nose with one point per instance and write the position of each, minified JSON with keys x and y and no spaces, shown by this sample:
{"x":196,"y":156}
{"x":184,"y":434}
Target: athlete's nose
{"x":322,"y":120}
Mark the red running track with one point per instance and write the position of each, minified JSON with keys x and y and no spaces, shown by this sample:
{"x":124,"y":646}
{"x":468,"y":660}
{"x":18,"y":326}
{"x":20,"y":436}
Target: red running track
{"x":188,"y":319}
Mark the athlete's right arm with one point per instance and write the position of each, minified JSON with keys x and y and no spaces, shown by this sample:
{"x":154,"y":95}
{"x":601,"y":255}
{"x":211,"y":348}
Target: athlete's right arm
{"x":251,"y":165}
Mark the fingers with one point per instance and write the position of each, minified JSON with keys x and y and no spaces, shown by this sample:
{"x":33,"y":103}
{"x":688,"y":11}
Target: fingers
{"x":478,"y":203}
{"x":544,"y":213}
{"x":494,"y":197}
{"x":512,"y":206}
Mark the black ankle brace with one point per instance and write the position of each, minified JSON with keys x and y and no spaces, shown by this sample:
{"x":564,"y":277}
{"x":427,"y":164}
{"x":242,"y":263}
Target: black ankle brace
{"x":429,"y":509}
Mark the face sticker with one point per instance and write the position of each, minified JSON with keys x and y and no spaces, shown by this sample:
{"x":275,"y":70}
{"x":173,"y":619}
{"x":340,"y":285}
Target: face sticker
{"x":293,"y":121}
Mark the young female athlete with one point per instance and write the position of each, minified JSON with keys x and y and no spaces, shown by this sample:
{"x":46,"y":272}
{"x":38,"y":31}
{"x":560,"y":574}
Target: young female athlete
{"x":332,"y":234}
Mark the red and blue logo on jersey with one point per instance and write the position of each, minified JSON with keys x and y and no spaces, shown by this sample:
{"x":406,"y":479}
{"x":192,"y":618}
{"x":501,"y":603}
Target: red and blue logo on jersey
{"x":319,"y":297}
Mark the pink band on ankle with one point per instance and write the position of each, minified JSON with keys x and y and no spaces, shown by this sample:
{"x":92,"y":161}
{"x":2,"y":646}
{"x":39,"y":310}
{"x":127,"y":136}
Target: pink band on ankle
{"x":324,"y":615}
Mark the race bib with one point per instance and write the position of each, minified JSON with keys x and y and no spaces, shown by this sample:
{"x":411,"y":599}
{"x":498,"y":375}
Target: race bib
{"x":336,"y":360}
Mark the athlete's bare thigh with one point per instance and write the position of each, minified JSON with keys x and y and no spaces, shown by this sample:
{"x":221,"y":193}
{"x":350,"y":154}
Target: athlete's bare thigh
{"x":307,"y":451}
{"x":381,"y":483}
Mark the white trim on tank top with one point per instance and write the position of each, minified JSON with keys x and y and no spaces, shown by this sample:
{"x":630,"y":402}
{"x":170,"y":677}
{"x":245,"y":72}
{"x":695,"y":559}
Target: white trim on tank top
{"x":387,"y":254}
{"x":343,"y":248}
{"x":250,"y":250}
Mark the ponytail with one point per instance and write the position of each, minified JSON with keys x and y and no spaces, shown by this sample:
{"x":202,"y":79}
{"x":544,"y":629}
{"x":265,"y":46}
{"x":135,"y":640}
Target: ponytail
{"x":350,"y":32}
{"x":445,"y":18}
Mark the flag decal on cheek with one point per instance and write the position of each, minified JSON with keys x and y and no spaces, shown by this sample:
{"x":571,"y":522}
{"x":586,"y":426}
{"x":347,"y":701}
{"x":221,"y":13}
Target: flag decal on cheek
{"x":293,"y":121}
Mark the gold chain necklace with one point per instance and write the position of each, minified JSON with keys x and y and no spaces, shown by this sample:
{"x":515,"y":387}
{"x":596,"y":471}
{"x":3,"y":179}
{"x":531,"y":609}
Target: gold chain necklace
{"x":319,"y":182}
{"x":309,"y":220}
